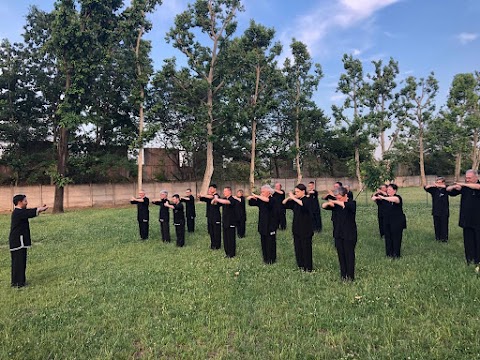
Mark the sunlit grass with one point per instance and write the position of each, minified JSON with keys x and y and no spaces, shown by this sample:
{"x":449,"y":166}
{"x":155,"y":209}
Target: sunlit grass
{"x":97,"y":292}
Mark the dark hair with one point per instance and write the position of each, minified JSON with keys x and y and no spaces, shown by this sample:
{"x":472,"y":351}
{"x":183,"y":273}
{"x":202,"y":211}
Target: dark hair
{"x":213,"y":186}
{"x":176,"y":196}
{"x":393,"y":186}
{"x":301,"y":187}
{"x":18,"y":198}
{"x":312,"y":182}
{"x":339,"y":183}
{"x":228,"y":187}
{"x":189,"y":190}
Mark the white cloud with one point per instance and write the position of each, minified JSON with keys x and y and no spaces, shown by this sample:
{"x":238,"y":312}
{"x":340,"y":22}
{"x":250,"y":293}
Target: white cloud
{"x":356,"y":52}
{"x":325,"y":17}
{"x":465,"y":37}
{"x":337,"y":98}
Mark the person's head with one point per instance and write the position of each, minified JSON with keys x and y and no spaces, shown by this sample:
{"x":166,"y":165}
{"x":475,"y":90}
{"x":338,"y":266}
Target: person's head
{"x":392,"y":189}
{"x":141,"y":193}
{"x":212,"y":189}
{"x":337,"y":185}
{"x":239,"y":193}
{"x":266,"y":190}
{"x":340,"y":193}
{"x":440,"y":180}
{"x":176,"y":199}
{"x":471,"y":176}
{"x":163,"y":194}
{"x":347,"y":187}
{"x":300,"y":191}
{"x":20,"y":201}
{"x":278,"y":186}
{"x":311,"y":186}
{"x":383,"y":187}
{"x":188,"y":192}
{"x":227,"y":191}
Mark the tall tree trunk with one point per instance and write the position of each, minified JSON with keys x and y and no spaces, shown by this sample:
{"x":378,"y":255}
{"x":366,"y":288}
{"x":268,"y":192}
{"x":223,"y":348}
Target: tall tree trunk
{"x":458,"y":165}
{"x":421,"y":159}
{"x":140,"y":112}
{"x":475,"y":151}
{"x":357,"y":167}
{"x":297,"y":155}
{"x":252,"y":156}
{"x":207,"y":176}
{"x":62,"y":155}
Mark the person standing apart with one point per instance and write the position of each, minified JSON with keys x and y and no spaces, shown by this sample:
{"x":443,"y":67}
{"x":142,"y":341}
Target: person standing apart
{"x":163,"y":215}
{"x":279,"y":196}
{"x":394,"y":221}
{"x":302,"y":227}
{"x":214,"y":220}
{"x":344,"y":231}
{"x":469,"y":219}
{"x":267,"y":222}
{"x":382,"y":190}
{"x":316,"y":216}
{"x":20,"y":239}
{"x":189,"y":201}
{"x":440,"y":208}
{"x":143,"y":214}
{"x":242,"y":214}
{"x":229,"y":220}
{"x":178,"y":219}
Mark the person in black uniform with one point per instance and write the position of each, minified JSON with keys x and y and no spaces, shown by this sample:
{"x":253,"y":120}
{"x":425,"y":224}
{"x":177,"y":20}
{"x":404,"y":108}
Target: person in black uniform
{"x":242,"y":213}
{"x":349,"y":192}
{"x":178,"y":219}
{"x":469,"y":214}
{"x":189,"y":201}
{"x":279,"y":196}
{"x":213,"y":217}
{"x":344,"y":231}
{"x":267,"y":222}
{"x":229,"y":220}
{"x":394,"y":221}
{"x":163,"y":215}
{"x":440,"y":208}
{"x":329,"y":195}
{"x":143,"y":213}
{"x":316,"y":216}
{"x":302,"y":227}
{"x":19,"y":238}
{"x":382,"y":190}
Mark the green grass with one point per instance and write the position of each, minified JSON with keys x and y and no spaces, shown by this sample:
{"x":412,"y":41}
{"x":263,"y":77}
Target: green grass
{"x":97,"y":292}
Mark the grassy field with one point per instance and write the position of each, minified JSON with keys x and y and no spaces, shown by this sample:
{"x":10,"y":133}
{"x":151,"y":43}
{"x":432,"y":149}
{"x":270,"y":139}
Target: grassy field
{"x":97,"y":292}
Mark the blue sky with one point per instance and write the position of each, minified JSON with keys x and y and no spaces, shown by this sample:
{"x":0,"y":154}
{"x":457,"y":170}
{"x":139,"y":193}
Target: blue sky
{"x":422,"y":35}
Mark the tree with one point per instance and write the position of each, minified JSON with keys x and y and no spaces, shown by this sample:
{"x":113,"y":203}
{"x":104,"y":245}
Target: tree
{"x":352,"y":85}
{"x":136,"y":25}
{"x":300,"y":85}
{"x":381,"y":97}
{"x":214,"y":18}
{"x":463,"y":103}
{"x":417,"y":110}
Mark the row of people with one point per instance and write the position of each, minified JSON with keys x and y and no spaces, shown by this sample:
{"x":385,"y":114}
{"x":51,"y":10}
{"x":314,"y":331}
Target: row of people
{"x":272,"y":204}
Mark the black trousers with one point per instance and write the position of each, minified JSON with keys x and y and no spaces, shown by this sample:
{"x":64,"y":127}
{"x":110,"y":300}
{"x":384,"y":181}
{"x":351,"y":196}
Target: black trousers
{"x":180,"y":233}
{"x":229,"y":241}
{"x":317,"y":222}
{"x":440,"y":224}
{"x":346,"y":257}
{"x":165,"y":230}
{"x":303,"y":252}
{"x":241,"y":229}
{"x":471,"y":242}
{"x":143,"y":227}
{"x":19,"y":266}
{"x":191,"y":223}
{"x":282,"y":219}
{"x":215,"y":232}
{"x":393,"y":240}
{"x":380,"y":225}
{"x":269,"y":248}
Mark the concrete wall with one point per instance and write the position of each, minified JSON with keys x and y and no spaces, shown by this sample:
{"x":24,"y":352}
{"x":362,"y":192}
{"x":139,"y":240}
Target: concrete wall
{"x":109,"y":195}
